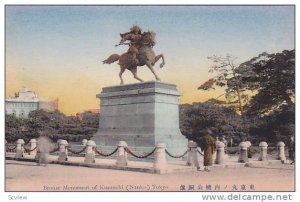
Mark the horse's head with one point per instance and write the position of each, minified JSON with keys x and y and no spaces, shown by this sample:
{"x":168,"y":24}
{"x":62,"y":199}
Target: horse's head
{"x":148,"y":38}
{"x":123,"y":38}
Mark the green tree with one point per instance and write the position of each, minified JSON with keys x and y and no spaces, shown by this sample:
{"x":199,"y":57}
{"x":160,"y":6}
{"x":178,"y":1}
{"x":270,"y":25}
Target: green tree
{"x":276,"y":126}
{"x":90,"y":120}
{"x":50,"y":124}
{"x":273,"y":77}
{"x":197,"y":117}
{"x":227,"y":76}
{"x":54,"y":125}
{"x":14,"y":128}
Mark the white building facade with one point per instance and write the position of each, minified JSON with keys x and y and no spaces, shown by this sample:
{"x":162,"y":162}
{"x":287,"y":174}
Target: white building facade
{"x":26,"y":101}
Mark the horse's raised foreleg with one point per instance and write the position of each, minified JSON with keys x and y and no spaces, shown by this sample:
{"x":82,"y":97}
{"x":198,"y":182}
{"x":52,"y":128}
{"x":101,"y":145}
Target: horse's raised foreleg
{"x":157,"y":58}
{"x":149,"y":65}
{"x":120,"y":74}
{"x":134,"y":72}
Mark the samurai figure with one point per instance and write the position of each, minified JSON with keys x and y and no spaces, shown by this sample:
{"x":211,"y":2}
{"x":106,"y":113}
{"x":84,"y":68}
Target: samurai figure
{"x":134,"y":37}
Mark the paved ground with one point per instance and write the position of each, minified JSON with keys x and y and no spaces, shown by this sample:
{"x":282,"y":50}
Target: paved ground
{"x":27,"y":176}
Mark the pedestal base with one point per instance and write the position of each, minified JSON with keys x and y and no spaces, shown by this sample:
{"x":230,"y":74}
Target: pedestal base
{"x":143,"y":115}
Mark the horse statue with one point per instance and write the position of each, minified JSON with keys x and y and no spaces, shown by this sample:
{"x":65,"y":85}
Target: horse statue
{"x":139,"y":54}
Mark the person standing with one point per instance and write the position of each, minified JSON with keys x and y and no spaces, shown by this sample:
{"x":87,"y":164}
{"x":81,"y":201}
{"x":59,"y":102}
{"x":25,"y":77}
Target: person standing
{"x":43,"y":150}
{"x":208,"y":145}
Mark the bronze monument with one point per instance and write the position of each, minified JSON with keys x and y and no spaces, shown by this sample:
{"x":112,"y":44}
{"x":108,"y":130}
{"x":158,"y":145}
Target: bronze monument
{"x":140,"y":53}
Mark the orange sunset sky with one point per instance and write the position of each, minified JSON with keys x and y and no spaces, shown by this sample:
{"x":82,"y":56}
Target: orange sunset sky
{"x":56,"y":51}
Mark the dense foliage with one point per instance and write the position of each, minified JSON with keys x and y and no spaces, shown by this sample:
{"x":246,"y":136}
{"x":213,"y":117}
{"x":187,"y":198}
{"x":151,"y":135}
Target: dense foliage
{"x":227,"y":75}
{"x":273,"y":78}
{"x":54,"y":125}
{"x":197,"y":117}
{"x":268,"y":111}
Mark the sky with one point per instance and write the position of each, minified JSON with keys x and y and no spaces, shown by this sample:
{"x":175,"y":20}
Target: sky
{"x":56,"y":51}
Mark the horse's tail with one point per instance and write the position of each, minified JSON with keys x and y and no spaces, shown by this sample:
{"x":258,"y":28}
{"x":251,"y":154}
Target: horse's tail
{"x":111,"y":59}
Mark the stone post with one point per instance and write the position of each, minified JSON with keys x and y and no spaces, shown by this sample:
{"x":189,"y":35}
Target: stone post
{"x":63,"y":152}
{"x":263,"y":148}
{"x":243,"y":158}
{"x":32,"y":146}
{"x":122,"y":154}
{"x":20,"y":149}
{"x":220,"y":153}
{"x":90,"y":152}
{"x":192,"y":159}
{"x":160,"y":163}
{"x":214,"y":155}
{"x":84,"y":141}
{"x":281,"y":153}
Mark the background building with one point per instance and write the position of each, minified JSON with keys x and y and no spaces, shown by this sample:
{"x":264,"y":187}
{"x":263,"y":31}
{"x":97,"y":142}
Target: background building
{"x":26,"y":101}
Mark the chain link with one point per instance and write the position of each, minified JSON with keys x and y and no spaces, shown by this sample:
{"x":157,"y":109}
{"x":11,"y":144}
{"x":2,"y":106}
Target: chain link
{"x":137,"y":156}
{"x":75,"y":152}
{"x":200,"y":152}
{"x":106,"y":155}
{"x":177,"y":157}
{"x":29,"y":150}
{"x":11,"y":149}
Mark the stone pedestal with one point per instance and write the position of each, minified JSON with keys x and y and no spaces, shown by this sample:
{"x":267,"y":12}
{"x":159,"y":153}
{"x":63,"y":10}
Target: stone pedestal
{"x":263,"y":148}
{"x":243,"y":158}
{"x":122,"y":155}
{"x":63,"y":153}
{"x":90,"y":152}
{"x":160,"y":163}
{"x":142,"y":115}
{"x":32,"y":147}
{"x":281,"y":152}
{"x":192,"y":159}
{"x":20,"y":149}
{"x":220,"y":153}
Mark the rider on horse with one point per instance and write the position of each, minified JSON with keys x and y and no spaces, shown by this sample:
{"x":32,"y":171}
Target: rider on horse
{"x":140,"y":53}
{"x":134,"y":36}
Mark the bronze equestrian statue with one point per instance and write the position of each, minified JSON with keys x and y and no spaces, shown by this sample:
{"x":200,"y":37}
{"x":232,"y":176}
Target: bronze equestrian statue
{"x":140,"y":53}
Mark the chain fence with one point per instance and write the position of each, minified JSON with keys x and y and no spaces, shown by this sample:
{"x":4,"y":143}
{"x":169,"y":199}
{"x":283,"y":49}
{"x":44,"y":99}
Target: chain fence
{"x":176,"y":156}
{"x":69,"y":149}
{"x":200,"y":152}
{"x":106,"y":155}
{"x":11,"y":147}
{"x":29,"y":150}
{"x":138,"y":156}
